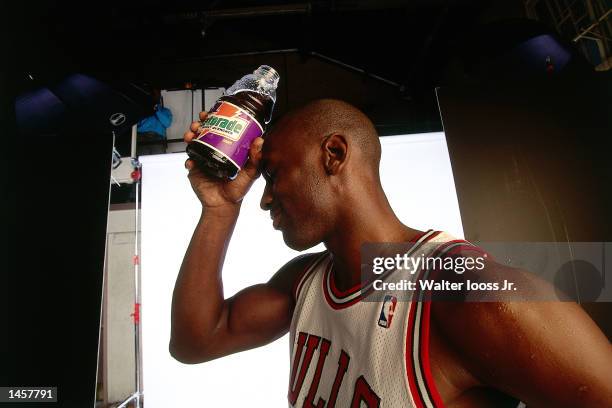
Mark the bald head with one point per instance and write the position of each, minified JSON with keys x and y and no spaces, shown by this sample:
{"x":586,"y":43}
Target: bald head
{"x":320,"y":163}
{"x":321,"y":118}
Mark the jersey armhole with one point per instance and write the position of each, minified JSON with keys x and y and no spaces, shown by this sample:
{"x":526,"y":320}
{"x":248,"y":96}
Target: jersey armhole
{"x":421,"y":385}
{"x":303,"y":275}
{"x":462,"y":247}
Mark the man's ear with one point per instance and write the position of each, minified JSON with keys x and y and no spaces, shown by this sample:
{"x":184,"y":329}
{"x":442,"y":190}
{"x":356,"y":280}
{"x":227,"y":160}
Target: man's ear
{"x":335,"y":153}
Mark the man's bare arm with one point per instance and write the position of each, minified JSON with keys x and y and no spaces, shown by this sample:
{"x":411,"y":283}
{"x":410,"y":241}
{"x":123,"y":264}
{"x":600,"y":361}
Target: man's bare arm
{"x":207,"y":326}
{"x":545,"y":353}
{"x":204,"y":324}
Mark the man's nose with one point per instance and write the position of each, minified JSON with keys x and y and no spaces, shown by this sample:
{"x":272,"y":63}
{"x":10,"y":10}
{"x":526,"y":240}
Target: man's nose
{"x":266,"y":198}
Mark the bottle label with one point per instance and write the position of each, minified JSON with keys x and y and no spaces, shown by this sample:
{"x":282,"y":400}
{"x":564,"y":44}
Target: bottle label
{"x":230,"y":130}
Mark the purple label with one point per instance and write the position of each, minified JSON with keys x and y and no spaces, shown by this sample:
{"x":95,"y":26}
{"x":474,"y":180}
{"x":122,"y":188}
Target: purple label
{"x":229,"y":130}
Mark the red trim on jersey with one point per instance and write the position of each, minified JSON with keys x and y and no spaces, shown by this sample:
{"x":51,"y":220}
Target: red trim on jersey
{"x":423,"y":363}
{"x":449,"y":243}
{"x":339,"y":306}
{"x":424,"y":330}
{"x":424,"y":355}
{"x":343,"y":293}
{"x":335,"y":305}
{"x":467,"y":248}
{"x":331,"y":287}
{"x":412,"y":382}
{"x":330,"y":301}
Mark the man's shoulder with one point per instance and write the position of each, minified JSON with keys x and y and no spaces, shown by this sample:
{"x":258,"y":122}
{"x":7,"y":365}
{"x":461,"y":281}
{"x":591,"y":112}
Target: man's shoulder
{"x":293,"y":271}
{"x":443,"y":244}
{"x":303,"y":260}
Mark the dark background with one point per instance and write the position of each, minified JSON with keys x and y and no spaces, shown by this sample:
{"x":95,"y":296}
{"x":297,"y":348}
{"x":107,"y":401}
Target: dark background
{"x":386,"y":57}
{"x":529,"y":166}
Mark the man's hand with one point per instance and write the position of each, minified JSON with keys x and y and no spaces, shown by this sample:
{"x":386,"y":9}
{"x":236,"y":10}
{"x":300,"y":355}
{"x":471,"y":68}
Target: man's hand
{"x":222,"y":196}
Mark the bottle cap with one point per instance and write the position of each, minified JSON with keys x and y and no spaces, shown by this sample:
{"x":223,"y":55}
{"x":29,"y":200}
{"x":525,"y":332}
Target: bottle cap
{"x":269,"y":74}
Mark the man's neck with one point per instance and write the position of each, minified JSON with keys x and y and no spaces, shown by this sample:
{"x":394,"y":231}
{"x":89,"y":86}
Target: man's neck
{"x":354,"y":230}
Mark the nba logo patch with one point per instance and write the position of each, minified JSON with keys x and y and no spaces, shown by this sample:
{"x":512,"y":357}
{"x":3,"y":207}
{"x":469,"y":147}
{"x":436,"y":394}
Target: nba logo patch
{"x":387,"y":310}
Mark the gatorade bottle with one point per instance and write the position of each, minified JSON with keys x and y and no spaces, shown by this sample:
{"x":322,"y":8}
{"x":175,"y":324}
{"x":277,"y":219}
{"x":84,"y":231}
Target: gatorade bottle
{"x":221,"y":146}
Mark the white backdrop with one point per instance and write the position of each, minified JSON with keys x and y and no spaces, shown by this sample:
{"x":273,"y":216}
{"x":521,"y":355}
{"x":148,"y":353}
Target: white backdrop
{"x":185,"y":106}
{"x":417,"y":176}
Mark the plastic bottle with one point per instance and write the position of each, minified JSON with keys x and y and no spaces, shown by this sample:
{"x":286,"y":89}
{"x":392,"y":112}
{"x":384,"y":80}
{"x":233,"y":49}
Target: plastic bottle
{"x":221,"y":146}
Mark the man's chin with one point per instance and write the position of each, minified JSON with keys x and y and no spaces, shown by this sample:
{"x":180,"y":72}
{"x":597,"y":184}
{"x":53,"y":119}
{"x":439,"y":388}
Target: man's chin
{"x":297,"y":244}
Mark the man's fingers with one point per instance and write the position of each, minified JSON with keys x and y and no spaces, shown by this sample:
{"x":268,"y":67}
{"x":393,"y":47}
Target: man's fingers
{"x":192,"y":132}
{"x":255,"y":151}
{"x":188,"y":136}
{"x":195,"y":126}
{"x":203,"y":115}
{"x":194,"y":172}
{"x":251,"y":168}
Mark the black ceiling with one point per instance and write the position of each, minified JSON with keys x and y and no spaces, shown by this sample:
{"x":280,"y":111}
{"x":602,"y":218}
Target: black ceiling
{"x":407,"y":42}
{"x":414,"y":45}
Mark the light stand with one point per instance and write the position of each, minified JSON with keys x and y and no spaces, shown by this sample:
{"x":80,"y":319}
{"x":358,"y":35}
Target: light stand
{"x":138,"y":395}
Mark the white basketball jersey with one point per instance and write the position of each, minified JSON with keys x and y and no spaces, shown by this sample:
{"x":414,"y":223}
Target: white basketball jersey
{"x":346,"y":352}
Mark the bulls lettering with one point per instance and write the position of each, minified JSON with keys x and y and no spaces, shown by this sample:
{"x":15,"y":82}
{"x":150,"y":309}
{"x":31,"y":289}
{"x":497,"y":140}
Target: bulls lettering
{"x":306,"y":345}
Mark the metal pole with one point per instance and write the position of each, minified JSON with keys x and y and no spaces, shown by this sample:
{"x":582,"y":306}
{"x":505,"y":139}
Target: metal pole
{"x":133,"y":149}
{"x":602,"y":10}
{"x":124,"y":403}
{"x":136,"y":176}
{"x":589,"y":28}
{"x":237,"y":54}
{"x":137,"y":292}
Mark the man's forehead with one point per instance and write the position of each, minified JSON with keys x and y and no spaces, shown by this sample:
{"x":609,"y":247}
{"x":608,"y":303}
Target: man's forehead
{"x":281,"y":148}
{"x":270,"y":151}
{"x":284,"y":138}
{"x":277,"y":137}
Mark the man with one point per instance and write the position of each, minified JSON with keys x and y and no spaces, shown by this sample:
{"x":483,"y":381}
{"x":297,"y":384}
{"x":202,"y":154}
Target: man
{"x":322,"y":185}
